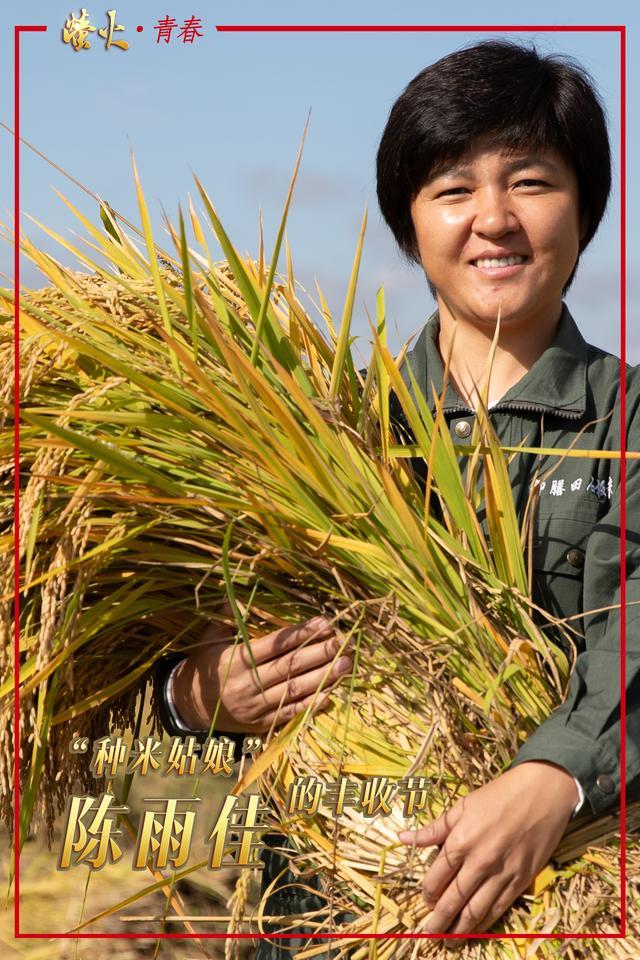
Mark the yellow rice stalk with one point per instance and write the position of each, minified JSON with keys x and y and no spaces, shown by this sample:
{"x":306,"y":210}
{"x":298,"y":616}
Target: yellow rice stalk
{"x":188,"y":435}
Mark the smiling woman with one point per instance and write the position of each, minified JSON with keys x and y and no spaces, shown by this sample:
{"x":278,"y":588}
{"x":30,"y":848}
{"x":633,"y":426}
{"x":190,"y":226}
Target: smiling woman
{"x":490,"y":154}
{"x":493,"y":173}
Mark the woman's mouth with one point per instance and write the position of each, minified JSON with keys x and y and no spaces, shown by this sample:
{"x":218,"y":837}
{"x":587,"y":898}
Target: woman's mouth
{"x":500,"y":266}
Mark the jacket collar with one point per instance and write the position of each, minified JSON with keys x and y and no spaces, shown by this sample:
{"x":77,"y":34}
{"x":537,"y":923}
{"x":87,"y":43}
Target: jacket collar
{"x":556,"y":383}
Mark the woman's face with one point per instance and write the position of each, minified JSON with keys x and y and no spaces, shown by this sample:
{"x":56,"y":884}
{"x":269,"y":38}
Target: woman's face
{"x":490,"y":206}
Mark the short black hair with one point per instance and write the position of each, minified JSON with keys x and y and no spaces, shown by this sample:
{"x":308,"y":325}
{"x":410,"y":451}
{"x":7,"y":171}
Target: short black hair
{"x":512,"y":97}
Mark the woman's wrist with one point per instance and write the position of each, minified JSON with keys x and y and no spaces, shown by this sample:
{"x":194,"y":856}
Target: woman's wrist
{"x":185,"y":691}
{"x":558,"y":779}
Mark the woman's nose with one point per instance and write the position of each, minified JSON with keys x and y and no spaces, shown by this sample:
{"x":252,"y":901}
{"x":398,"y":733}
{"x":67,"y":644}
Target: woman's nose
{"x":494,"y":215}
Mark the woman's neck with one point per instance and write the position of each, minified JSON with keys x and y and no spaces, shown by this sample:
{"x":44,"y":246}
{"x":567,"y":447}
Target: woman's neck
{"x":516,"y":352}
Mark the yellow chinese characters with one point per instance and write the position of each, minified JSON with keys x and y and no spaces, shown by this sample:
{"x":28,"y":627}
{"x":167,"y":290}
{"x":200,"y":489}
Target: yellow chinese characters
{"x":112,"y":756}
{"x":76,"y":31}
{"x":245,"y":820}
{"x":165,"y":835}
{"x":372,"y":797}
{"x":89,"y":832}
{"x":113,"y":27}
{"x":108,"y":756}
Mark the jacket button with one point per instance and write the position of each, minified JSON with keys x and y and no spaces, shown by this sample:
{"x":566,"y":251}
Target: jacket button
{"x":575,"y":557}
{"x":605,"y":783}
{"x":462,"y":428}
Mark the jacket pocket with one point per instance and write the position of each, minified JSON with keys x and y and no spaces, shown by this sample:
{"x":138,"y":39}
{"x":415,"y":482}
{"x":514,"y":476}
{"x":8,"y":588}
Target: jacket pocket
{"x":558,"y":560}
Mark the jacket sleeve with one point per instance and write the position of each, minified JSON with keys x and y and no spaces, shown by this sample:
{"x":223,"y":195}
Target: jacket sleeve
{"x":584,"y":734}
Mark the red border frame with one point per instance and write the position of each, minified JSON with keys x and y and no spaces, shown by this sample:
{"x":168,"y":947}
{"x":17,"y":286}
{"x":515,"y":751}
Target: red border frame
{"x":339,"y":28}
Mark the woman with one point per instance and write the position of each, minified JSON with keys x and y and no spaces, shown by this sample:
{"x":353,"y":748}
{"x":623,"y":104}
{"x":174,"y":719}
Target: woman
{"x":493,"y":172}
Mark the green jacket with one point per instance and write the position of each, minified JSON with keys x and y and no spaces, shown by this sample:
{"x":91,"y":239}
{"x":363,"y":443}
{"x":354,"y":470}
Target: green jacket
{"x":576,"y":547}
{"x":576,"y":559}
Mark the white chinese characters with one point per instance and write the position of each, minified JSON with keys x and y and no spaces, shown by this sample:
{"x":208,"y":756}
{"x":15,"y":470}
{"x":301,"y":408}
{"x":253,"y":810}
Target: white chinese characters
{"x":600,"y":488}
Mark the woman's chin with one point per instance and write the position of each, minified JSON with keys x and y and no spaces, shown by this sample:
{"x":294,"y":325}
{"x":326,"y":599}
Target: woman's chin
{"x":510,"y":314}
{"x":513,"y":311}
{"x":487,"y":317}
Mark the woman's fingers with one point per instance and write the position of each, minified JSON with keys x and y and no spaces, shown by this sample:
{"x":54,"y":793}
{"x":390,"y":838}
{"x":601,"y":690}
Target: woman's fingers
{"x":441,"y":874}
{"x":301,"y":686}
{"x":298,"y":661}
{"x":271,"y":645}
{"x":487,"y":905}
{"x":287,"y":639}
{"x":457,"y":901}
{"x":291,"y":664}
{"x":300,"y":655}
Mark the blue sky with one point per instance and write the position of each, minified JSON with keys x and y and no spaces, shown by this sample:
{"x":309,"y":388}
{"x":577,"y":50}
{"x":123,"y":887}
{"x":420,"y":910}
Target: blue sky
{"x":231,"y":108}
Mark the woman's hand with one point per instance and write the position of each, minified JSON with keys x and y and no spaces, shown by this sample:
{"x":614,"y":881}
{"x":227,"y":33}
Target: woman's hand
{"x":291,"y":664}
{"x":493,"y":843}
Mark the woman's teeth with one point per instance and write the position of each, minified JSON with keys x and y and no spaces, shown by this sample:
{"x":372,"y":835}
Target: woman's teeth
{"x":488,"y":262}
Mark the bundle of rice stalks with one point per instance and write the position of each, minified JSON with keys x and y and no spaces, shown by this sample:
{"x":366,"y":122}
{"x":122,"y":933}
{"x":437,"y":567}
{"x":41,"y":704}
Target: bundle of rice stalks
{"x":190,"y":436}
